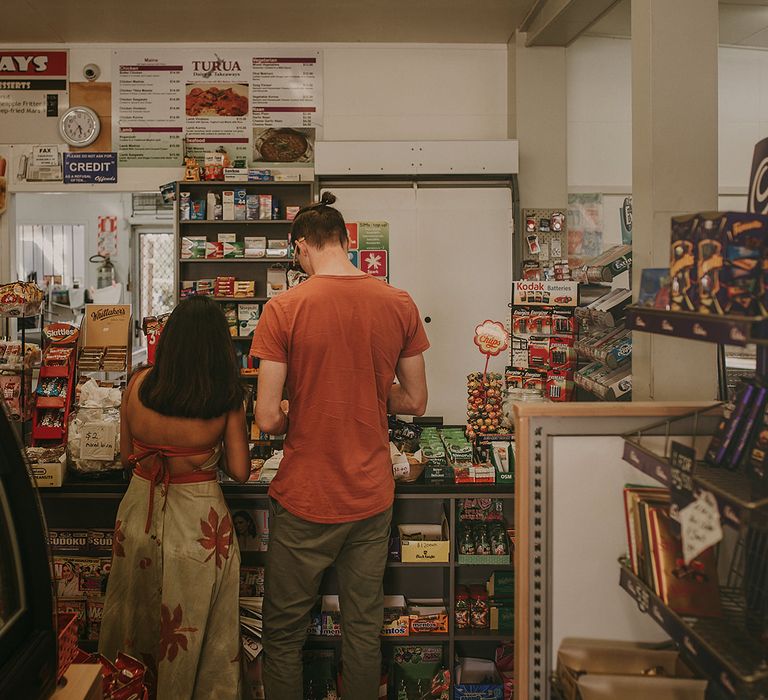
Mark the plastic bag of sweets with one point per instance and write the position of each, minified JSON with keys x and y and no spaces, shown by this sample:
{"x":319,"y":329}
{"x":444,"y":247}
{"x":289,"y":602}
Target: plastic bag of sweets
{"x":479,"y":613}
{"x":461,"y":608}
{"x":481,"y":509}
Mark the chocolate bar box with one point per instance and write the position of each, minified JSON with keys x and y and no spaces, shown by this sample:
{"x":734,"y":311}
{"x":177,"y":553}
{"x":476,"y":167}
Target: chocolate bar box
{"x":682,"y":264}
{"x":731,"y":248}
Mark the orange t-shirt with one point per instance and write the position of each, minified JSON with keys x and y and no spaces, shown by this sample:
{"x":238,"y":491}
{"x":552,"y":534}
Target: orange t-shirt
{"x":341,"y":338}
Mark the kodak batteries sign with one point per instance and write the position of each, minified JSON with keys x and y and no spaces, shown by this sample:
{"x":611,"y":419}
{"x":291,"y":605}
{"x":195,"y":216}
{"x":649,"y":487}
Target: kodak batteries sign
{"x":536,"y":293}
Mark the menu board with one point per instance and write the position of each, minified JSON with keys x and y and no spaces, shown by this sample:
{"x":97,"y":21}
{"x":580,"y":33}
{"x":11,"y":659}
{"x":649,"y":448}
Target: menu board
{"x":257,"y":105}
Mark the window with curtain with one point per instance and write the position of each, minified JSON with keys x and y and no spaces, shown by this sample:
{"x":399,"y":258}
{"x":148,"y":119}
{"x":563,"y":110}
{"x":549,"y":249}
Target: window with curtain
{"x":54,"y":251}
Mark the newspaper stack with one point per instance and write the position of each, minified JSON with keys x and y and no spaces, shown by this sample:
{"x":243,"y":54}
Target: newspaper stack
{"x":251,"y":626}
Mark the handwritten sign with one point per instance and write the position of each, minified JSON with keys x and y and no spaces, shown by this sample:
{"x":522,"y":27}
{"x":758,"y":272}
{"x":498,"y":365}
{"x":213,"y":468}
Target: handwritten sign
{"x":700,"y":526}
{"x":98,"y":441}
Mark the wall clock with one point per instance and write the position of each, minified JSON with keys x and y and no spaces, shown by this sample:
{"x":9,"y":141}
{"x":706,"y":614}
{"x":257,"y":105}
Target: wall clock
{"x":79,"y":126}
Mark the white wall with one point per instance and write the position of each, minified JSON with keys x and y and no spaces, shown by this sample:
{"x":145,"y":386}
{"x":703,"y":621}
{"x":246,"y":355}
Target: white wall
{"x":599,"y":95}
{"x":600,"y":116}
{"x":78,"y":208}
{"x":371,"y":92}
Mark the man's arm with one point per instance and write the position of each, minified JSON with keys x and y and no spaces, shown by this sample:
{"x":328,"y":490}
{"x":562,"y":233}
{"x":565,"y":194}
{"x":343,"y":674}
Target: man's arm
{"x":236,"y":446}
{"x":409,"y":396}
{"x":269,"y":414}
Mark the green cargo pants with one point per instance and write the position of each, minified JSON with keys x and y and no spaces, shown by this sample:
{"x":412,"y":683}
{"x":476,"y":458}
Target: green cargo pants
{"x":299,"y":553}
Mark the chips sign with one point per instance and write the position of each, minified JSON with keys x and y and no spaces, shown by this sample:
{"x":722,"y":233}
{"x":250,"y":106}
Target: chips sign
{"x":491,"y":338}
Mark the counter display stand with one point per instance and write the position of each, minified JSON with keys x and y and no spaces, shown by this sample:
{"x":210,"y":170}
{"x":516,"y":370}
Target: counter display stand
{"x":91,"y":504}
{"x":41,"y":433}
{"x":25,"y":371}
{"x":727,"y":649}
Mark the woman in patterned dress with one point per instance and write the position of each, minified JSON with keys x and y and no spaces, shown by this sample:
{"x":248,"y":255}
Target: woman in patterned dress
{"x":172,"y":597}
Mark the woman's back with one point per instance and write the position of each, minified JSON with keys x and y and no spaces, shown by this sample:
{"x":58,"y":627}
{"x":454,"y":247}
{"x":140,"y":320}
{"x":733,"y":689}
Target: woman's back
{"x":202,"y":435}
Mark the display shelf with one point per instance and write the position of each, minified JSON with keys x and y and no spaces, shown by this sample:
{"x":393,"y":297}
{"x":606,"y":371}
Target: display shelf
{"x":727,"y":330}
{"x":114,"y":486}
{"x":411,"y":639}
{"x":721,"y":646}
{"x":483,"y":560}
{"x":737,"y":495}
{"x":216,"y":261}
{"x":51,"y":402}
{"x":183,"y":184}
{"x":486,"y":635}
{"x":242,"y":300}
{"x":189,"y":222}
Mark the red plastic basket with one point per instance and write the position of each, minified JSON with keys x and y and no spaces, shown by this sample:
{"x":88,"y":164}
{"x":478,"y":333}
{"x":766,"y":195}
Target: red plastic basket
{"x":66,"y":624}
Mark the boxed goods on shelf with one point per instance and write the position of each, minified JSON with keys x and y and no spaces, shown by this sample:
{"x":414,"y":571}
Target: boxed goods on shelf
{"x":424,"y":543}
{"x":397,"y":620}
{"x":428,"y":616}
{"x":418,"y":672}
{"x":105,"y":338}
{"x":621,"y":668}
{"x":482,"y":537}
{"x":48,"y":465}
{"x":715,"y":263}
{"x":606,"y":266}
{"x":477,"y":679}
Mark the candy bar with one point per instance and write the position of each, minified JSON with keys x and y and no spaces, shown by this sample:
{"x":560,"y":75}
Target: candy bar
{"x":245,"y":288}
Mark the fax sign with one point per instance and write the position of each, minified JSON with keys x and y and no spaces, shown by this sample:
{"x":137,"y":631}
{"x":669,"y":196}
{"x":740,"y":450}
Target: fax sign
{"x":90,"y":168}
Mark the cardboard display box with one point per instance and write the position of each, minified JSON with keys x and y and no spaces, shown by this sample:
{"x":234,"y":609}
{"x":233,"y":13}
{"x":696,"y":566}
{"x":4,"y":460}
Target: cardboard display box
{"x":611,"y":669}
{"x":428,"y":616}
{"x":472,"y":681}
{"x":396,"y":619}
{"x":433,"y":545}
{"x":107,"y":326}
{"x":49,"y":474}
{"x":83,"y":682}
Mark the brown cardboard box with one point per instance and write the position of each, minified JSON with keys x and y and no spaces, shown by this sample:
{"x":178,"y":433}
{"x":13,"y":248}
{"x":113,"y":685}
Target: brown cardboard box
{"x":595,"y":686}
{"x":435,"y":549}
{"x":49,"y":474}
{"x":83,"y":682}
{"x":107,"y":325}
{"x":577,"y":658}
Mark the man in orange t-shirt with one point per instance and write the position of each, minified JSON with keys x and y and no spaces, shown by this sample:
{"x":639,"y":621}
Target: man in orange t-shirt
{"x":335,"y":343}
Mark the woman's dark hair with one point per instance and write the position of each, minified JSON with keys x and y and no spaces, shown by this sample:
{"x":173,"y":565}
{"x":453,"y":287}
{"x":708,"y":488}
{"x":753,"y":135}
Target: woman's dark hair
{"x":245,"y":515}
{"x":195,"y":374}
{"x":320,"y":224}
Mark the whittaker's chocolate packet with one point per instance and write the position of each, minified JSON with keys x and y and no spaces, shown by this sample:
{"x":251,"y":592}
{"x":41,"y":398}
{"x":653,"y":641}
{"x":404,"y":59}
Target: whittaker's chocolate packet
{"x":742,"y":276}
{"x":731,"y":248}
{"x":730,"y":427}
{"x":682,"y":264}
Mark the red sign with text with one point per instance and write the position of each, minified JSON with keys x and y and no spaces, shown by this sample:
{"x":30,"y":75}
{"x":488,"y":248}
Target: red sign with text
{"x":374,"y":262}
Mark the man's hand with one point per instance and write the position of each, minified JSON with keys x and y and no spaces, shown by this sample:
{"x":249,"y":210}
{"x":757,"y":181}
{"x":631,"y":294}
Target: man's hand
{"x":409,"y":397}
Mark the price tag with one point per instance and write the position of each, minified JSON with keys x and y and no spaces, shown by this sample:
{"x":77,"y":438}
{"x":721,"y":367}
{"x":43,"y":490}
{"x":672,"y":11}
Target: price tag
{"x":401,"y":469}
{"x":97,"y":441}
{"x":682,"y":460}
{"x":700,"y":526}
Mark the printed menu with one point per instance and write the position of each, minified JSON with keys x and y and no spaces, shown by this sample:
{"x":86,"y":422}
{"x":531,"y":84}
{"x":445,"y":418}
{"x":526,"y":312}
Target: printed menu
{"x":262,"y":107}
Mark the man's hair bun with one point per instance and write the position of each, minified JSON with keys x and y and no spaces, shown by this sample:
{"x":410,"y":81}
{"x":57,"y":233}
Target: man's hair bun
{"x":328,"y":198}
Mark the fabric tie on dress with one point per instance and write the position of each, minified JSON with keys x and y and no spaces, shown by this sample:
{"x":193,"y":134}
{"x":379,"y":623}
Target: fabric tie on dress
{"x":160,"y":474}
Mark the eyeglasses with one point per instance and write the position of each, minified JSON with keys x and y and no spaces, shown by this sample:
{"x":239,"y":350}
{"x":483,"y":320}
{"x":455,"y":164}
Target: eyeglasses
{"x":296,"y":250}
